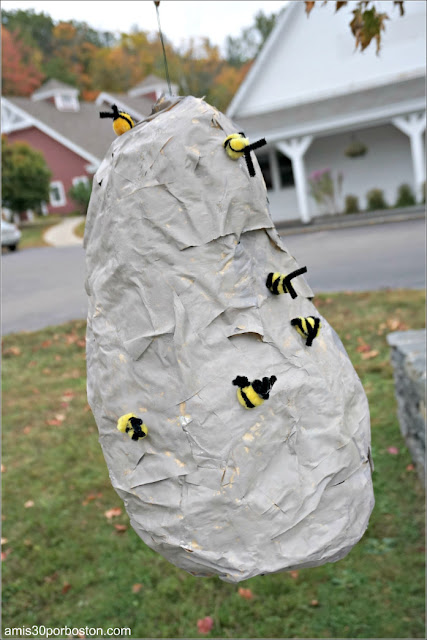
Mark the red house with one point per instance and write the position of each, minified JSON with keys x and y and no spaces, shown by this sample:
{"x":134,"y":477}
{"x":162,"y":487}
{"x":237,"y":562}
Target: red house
{"x":69,"y":132}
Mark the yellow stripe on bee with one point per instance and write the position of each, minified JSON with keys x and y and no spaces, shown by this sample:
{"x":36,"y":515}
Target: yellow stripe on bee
{"x":235,"y":145}
{"x":280,"y":287}
{"x":122,"y":422}
{"x":251,"y":395}
{"x":120,"y":125}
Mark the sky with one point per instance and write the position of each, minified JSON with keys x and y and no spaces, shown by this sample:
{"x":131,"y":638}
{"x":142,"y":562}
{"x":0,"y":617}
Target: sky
{"x":180,"y":19}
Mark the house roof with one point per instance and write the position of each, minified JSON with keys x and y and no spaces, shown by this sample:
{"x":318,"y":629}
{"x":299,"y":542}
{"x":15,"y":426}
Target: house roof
{"x":83,"y":128}
{"x":308,"y":59}
{"x":138,"y":106}
{"x":361,"y":109}
{"x":53,"y":85}
{"x":149,"y":81}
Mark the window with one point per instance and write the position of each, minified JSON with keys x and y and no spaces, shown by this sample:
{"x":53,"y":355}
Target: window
{"x":79,"y":179}
{"x":285,"y":170}
{"x":66,"y":102}
{"x":57,"y":194}
{"x":284,"y":166}
{"x":264,"y":163}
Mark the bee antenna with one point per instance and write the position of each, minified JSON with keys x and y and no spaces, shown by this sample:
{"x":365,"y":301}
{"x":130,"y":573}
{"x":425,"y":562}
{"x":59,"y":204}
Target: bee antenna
{"x":108,"y":114}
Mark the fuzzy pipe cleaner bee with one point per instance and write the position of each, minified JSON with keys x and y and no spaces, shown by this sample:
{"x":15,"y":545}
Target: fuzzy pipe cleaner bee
{"x":236,"y":146}
{"x":122,"y":121}
{"x":307,"y":328}
{"x":133,"y":426}
{"x":280,"y":283}
{"x":252,"y":394}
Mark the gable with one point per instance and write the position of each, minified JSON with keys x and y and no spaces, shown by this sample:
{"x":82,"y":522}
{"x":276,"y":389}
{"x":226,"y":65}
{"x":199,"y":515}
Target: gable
{"x":312,"y":58}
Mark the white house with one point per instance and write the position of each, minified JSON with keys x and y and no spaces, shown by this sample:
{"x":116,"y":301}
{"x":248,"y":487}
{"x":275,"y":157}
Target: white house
{"x":312,"y":95}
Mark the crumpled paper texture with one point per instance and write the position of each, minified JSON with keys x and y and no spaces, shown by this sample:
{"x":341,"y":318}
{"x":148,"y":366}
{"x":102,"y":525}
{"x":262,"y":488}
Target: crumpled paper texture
{"x":179,"y":242}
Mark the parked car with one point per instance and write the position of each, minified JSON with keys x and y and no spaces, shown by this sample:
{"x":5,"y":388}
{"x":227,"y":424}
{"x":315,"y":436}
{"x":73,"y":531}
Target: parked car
{"x":10,"y":235}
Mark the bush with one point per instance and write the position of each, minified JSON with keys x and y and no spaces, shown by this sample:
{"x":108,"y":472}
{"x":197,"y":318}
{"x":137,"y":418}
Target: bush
{"x":405,"y":196}
{"x":80,"y":193}
{"x":352,"y":204}
{"x":375,"y":200}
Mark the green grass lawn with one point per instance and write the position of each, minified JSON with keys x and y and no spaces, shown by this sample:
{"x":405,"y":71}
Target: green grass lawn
{"x":66,"y":563}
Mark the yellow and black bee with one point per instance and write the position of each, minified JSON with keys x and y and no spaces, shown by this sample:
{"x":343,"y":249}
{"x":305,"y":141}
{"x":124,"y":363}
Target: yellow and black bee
{"x":237,"y":145}
{"x":133,"y":426}
{"x":281,"y":283}
{"x":307,"y":328}
{"x":122,"y":121}
{"x":253,"y":394}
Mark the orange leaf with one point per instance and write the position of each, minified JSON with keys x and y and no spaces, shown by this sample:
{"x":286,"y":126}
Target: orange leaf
{"x":53,"y":422}
{"x":46,"y":344}
{"x":410,"y":467}
{"x":314,"y":603}
{"x":51,"y":578}
{"x":29,"y":504}
{"x":204,"y":625}
{"x":245,"y":593}
{"x":136,"y":587}
{"x":3,"y":468}
{"x":26,"y":430}
{"x":46,"y":371}
{"x":309,"y":4}
{"x":370,"y":354}
{"x":66,"y":588}
{"x":4,"y":554}
{"x":58,"y":357}
{"x":294,"y":574}
{"x":32,"y":364}
{"x":120,"y":528}
{"x":112,"y":513}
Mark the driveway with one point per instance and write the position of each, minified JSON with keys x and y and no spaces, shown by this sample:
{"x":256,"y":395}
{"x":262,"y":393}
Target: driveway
{"x":45,"y":286}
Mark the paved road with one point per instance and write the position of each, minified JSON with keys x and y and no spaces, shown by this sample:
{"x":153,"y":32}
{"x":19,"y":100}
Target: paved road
{"x":45,"y":286}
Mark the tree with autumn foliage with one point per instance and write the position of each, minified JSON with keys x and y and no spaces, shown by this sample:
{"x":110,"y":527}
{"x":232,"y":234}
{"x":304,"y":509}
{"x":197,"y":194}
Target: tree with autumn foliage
{"x":21,"y":73}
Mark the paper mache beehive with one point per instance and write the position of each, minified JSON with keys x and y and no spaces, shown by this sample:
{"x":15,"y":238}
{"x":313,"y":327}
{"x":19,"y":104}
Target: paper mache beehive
{"x":228,"y":478}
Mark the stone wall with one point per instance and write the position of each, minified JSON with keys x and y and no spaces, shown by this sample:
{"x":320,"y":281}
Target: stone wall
{"x":408,"y":356}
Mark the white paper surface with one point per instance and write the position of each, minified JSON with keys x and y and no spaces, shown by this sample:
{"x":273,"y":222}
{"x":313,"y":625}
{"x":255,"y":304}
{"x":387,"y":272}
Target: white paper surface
{"x":179,"y":243}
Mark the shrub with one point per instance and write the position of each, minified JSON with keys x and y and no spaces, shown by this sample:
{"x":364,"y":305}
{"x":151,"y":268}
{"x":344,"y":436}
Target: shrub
{"x":80,"y":193}
{"x":375,"y":200}
{"x":405,"y":196}
{"x":351,"y":204}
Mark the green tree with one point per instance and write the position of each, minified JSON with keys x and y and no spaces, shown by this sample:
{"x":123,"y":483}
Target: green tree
{"x":240,"y":49}
{"x":25,"y":177}
{"x":80,"y":193}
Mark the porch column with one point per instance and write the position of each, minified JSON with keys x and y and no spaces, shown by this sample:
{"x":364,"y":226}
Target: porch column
{"x":295,"y":149}
{"x":413,"y":126}
{"x":275,"y":172}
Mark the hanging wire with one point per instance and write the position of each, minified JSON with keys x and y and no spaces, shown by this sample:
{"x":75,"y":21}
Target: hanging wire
{"x":163,"y":47}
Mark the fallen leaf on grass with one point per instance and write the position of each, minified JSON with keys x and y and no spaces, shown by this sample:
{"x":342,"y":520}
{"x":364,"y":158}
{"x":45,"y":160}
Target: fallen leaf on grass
{"x":294,"y":574}
{"x":54,"y":422}
{"x":410,"y":467}
{"x":4,"y":554}
{"x":68,"y":396}
{"x":66,"y":587}
{"x":46,"y":344}
{"x":136,"y":588}
{"x":112,"y":513}
{"x":314,"y":603}
{"x":51,"y":578}
{"x":35,"y":391}
{"x":120,"y":528}
{"x":26,"y":430}
{"x":4,"y":541}
{"x":363,"y":346}
{"x":370,"y":354}
{"x":87,"y":408}
{"x":13,"y":351}
{"x":46,"y":371}
{"x":204,"y":625}
{"x":81,"y":343}
{"x":29,"y":504}
{"x":3,"y":468}
{"x":58,"y":358}
{"x":90,"y":497}
{"x":245,"y":593}
{"x":393,"y":450}
{"x":32,"y":364}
